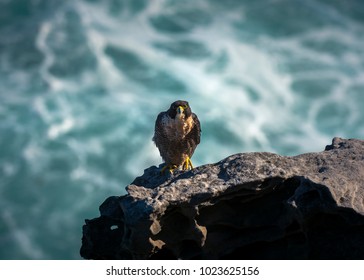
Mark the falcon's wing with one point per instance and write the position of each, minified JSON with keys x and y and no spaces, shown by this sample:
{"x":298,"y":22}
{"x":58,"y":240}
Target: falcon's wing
{"x":158,"y":130}
{"x":196,"y":130}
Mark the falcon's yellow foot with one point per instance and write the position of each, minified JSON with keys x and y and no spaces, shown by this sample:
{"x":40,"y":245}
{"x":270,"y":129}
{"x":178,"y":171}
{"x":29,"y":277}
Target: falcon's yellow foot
{"x":170,"y":167}
{"x":187,"y":165}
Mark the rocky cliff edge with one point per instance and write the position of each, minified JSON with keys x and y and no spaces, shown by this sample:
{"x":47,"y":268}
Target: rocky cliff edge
{"x":246,"y":206}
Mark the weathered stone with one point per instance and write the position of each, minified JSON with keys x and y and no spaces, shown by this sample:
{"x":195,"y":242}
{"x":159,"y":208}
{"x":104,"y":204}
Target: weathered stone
{"x":247,"y":206}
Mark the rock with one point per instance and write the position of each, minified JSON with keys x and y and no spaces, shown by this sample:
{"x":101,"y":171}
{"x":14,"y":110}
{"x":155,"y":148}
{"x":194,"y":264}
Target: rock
{"x":247,"y":206}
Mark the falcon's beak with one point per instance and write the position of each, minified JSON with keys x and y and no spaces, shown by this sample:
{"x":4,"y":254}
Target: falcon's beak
{"x":180,"y":110}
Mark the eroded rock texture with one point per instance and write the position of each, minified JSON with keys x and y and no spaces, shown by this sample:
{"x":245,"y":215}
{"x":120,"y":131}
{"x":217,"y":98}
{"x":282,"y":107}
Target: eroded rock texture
{"x":247,"y":206}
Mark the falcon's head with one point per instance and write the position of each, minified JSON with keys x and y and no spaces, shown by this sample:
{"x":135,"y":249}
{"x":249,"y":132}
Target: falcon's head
{"x":179,"y":109}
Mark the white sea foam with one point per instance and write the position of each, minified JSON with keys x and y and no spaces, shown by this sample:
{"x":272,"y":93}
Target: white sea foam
{"x":58,"y":129}
{"x":49,"y":57}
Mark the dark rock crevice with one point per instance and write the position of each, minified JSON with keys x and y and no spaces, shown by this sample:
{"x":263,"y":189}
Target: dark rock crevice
{"x":247,"y":206}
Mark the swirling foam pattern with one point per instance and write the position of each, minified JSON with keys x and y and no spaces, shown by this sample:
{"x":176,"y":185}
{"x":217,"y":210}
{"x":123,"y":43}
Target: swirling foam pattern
{"x":81,"y":83}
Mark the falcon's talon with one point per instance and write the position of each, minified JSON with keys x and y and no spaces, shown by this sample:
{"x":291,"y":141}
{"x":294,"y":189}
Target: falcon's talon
{"x":170,"y":168}
{"x":187,"y":164}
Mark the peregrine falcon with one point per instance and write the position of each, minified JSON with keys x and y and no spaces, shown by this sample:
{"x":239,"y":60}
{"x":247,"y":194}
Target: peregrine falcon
{"x":177,"y":134}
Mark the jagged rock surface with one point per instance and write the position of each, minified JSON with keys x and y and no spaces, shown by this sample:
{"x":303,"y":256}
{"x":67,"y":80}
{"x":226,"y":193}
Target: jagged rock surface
{"x":247,"y":206}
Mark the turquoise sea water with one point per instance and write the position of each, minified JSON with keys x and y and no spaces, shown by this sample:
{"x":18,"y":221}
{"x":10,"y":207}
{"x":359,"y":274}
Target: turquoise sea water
{"x":82,"y":81}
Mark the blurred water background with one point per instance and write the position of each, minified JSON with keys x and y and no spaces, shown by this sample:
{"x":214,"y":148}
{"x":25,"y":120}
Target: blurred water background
{"x":82,"y":81}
